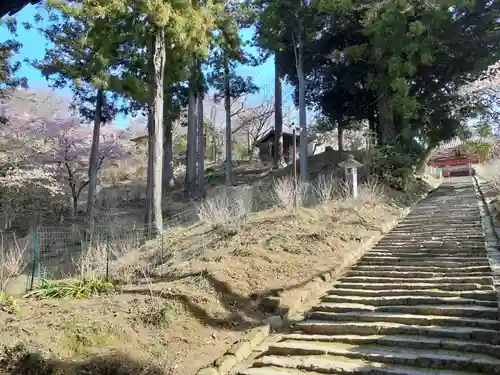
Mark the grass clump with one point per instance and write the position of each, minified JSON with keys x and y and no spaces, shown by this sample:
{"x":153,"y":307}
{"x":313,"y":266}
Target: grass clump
{"x":371,"y":192}
{"x":155,"y":312}
{"x":82,"y":339}
{"x":325,"y":187}
{"x":288,"y":193}
{"x":228,"y":207}
{"x":8,"y":304}
{"x":72,"y":289}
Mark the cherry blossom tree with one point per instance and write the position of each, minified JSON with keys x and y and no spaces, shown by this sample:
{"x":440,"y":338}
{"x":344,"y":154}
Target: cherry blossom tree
{"x":51,"y":152}
{"x":489,"y":81}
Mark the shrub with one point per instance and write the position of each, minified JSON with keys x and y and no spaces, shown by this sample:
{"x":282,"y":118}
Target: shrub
{"x":155,"y":312}
{"x":326,"y":187}
{"x":13,"y":260}
{"x":93,"y":260}
{"x":371,"y":191}
{"x":226,"y":205}
{"x":477,"y":149}
{"x":8,"y":304}
{"x":72,"y":289}
{"x":287,"y":195}
{"x":393,"y":165}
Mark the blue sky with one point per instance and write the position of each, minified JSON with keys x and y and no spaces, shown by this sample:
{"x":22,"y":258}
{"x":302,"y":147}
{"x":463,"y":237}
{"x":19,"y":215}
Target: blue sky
{"x":34,"y":45}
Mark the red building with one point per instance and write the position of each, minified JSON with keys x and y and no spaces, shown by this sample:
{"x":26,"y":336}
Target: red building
{"x":451,"y":161}
{"x":455,"y":165}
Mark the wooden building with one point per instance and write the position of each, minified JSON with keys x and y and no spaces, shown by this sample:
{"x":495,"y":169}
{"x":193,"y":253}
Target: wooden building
{"x":265,"y":144}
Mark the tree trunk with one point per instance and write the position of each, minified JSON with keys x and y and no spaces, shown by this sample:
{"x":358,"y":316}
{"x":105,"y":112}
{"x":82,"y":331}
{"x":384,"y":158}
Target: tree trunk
{"x":75,"y":204}
{"x":201,"y":142}
{"x":278,"y":114}
{"x":340,"y":136}
{"x":191,"y":141}
{"x":155,"y":130}
{"x":304,"y":174}
{"x":168,"y":154}
{"x":386,"y":131}
{"x":227,"y":108}
{"x":94,"y":157}
{"x":372,"y":128}
{"x":149,"y":180}
{"x":214,"y":147}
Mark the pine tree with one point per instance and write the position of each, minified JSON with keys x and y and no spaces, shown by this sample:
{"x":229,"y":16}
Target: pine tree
{"x":226,"y":54}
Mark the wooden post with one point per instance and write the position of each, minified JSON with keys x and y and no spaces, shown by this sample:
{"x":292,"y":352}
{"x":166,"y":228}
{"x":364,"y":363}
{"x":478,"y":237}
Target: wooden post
{"x":294,"y":151}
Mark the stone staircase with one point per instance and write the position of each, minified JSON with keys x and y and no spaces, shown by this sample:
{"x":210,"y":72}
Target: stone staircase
{"x":422,"y":301}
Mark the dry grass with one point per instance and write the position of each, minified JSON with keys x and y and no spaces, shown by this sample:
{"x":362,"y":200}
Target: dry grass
{"x":226,"y":205}
{"x":13,"y":259}
{"x":326,"y":187}
{"x":289,"y":194}
{"x":490,"y":172}
{"x":371,"y":192}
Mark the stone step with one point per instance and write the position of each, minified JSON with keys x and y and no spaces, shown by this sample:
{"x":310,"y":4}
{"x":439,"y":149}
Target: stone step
{"x":411,"y":319}
{"x":437,"y":244}
{"x":431,"y":226}
{"x":409,"y":250}
{"x":485,"y":280}
{"x":328,"y":327}
{"x":454,"y":244}
{"x":411,"y":274}
{"x":449,"y":262}
{"x":484,"y":295}
{"x":336,"y":365}
{"x":390,"y":240}
{"x":436,"y":239}
{"x":438,"y":310}
{"x":440,"y":220}
{"x":448,"y":232}
{"x":445,"y":218}
{"x":407,"y":300}
{"x":403,"y":341}
{"x":408,"y":268}
{"x":380,"y":370}
{"x":437,"y":359}
{"x":418,"y":254}
{"x":473,"y":235}
{"x":455,"y":287}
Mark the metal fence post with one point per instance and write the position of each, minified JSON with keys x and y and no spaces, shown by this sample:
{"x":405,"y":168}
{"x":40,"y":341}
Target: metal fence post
{"x":107,"y":254}
{"x":35,"y":260}
{"x":2,"y":262}
{"x":162,"y":253}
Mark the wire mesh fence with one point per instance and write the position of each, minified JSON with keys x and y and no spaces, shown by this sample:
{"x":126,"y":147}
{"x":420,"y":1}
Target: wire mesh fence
{"x":76,"y":251}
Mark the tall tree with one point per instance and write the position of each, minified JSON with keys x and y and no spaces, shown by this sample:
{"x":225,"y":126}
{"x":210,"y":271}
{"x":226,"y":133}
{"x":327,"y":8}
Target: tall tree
{"x":8,"y":69}
{"x":228,"y":52}
{"x":145,"y":27}
{"x":82,"y":58}
{"x":190,"y":188}
{"x":278,"y":113}
{"x":201,"y":129}
{"x":405,"y":61}
{"x":285,"y":26}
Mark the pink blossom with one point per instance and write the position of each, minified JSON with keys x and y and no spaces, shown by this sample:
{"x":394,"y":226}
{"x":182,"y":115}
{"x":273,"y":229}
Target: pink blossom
{"x":490,"y":80}
{"x":41,"y":150}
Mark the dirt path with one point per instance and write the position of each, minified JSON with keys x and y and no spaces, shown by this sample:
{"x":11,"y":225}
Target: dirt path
{"x":420,"y":302}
